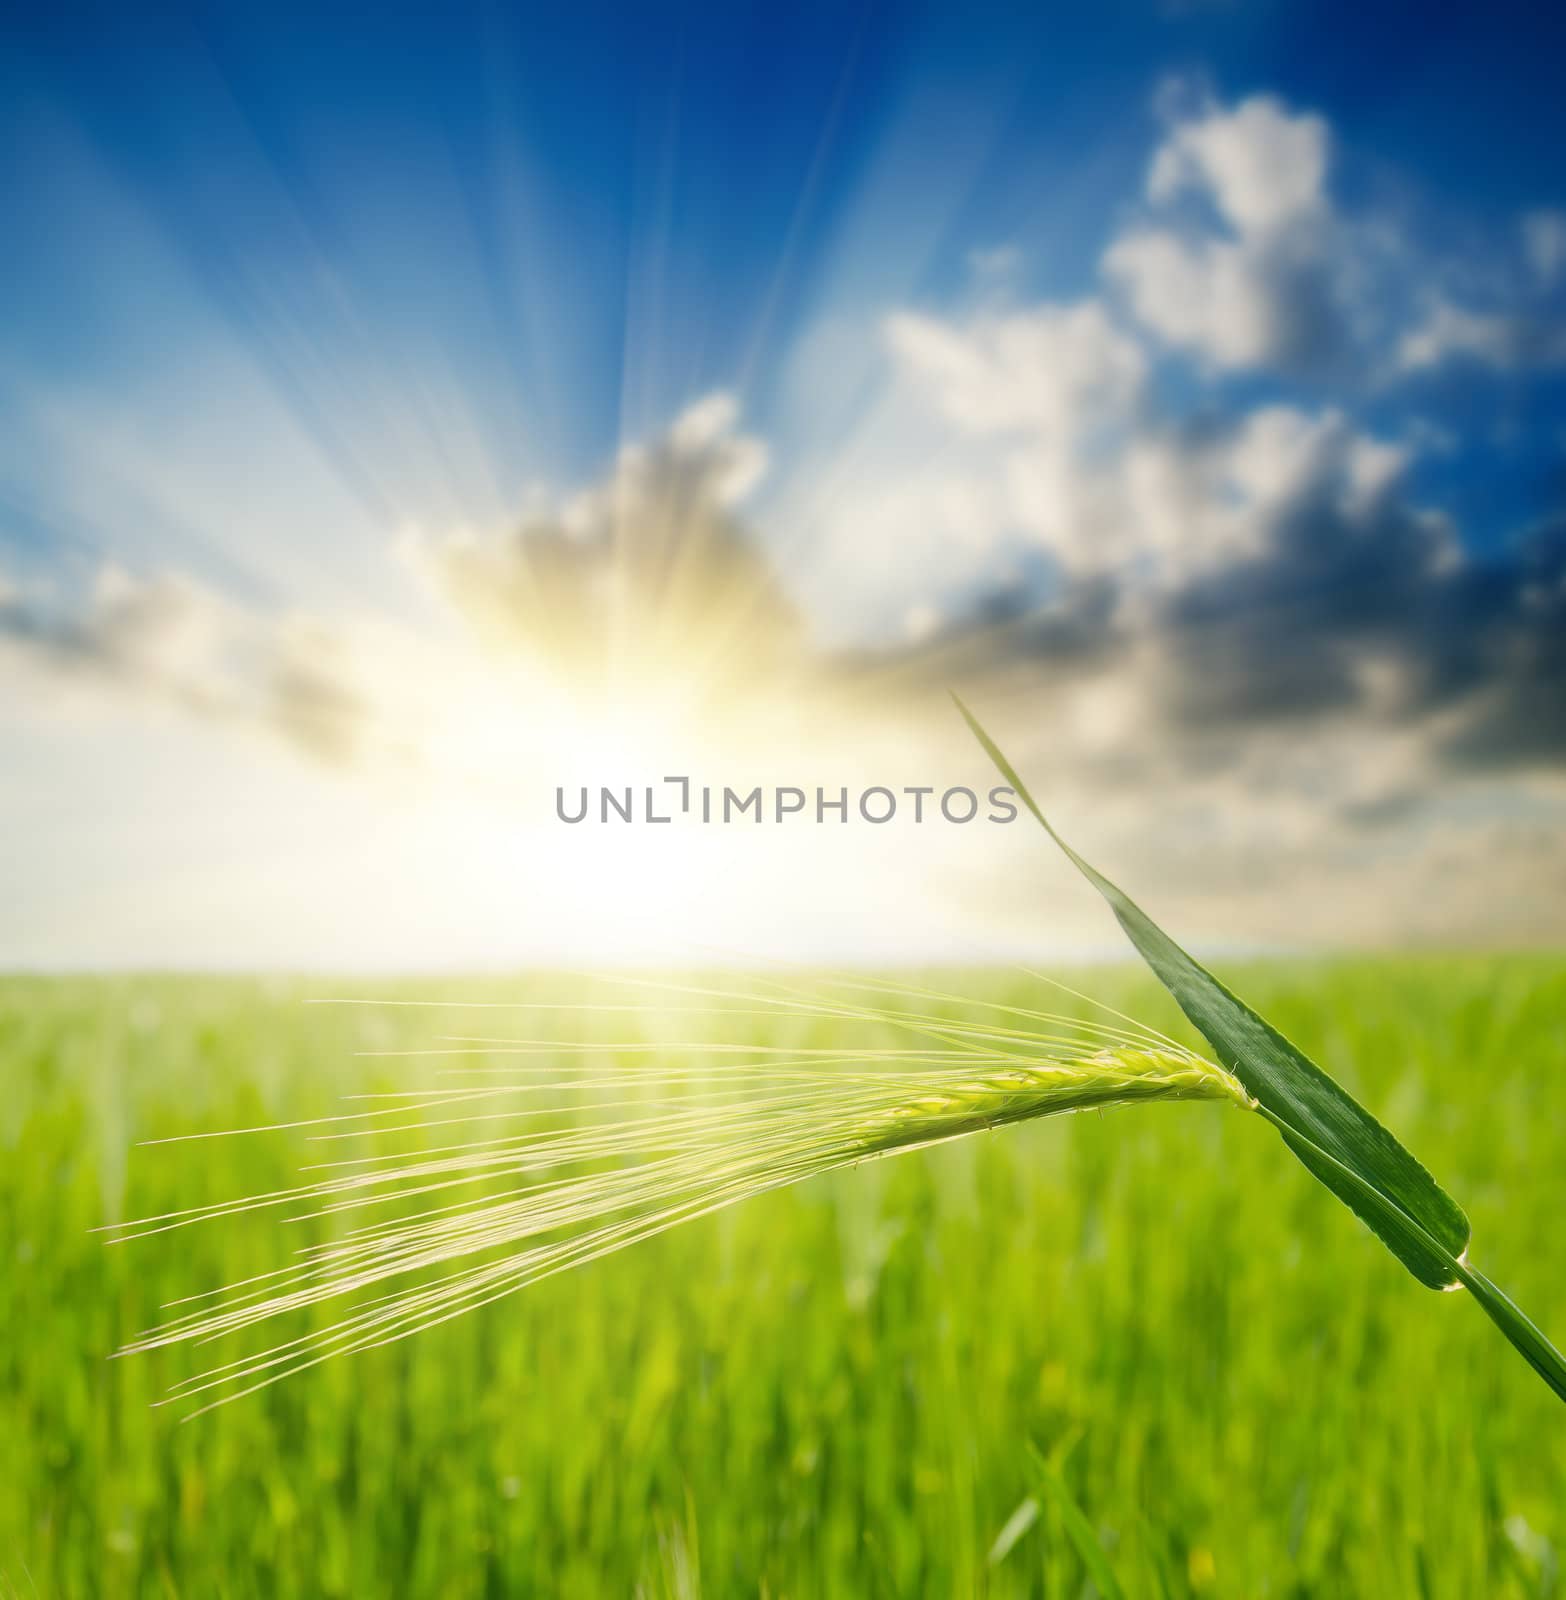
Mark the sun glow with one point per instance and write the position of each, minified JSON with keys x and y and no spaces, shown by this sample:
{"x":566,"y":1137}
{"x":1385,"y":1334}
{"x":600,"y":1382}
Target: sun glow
{"x":493,"y":863}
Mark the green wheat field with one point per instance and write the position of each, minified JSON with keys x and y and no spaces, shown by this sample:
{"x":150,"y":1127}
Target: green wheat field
{"x":1139,"y":1352}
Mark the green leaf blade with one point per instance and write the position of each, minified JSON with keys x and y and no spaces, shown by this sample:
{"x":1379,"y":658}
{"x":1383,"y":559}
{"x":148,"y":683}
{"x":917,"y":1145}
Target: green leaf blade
{"x":1337,"y":1139}
{"x":1526,"y":1337}
{"x":1078,"y":1528}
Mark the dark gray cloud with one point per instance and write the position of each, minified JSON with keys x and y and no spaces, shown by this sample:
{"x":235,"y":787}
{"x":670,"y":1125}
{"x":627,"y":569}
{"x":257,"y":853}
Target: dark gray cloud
{"x":649,"y":577}
{"x":1513,"y":655}
{"x":651,"y":568}
{"x":171,"y":641}
{"x":1345,"y":609}
{"x":1377,"y":617}
{"x":1347,"y":613}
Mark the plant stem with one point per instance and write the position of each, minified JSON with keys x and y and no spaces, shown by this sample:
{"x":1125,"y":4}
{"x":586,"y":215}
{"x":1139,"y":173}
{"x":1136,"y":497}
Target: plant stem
{"x":1524,"y":1333}
{"x":1526,"y":1337}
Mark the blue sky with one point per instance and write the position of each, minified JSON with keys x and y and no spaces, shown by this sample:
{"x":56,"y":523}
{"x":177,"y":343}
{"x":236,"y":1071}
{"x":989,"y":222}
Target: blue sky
{"x":1127,"y":313}
{"x":621,"y":207}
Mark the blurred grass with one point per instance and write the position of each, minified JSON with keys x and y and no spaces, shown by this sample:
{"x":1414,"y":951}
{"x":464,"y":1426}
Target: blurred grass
{"x":839,"y":1389}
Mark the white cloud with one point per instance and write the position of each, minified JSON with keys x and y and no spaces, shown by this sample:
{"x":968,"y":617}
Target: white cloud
{"x":978,"y":448}
{"x":1506,"y":316}
{"x":1506,"y":341}
{"x":1262,"y":273}
{"x":1052,"y":370}
{"x":1057,"y":449}
{"x":703,"y":441}
{"x":705,"y":437}
{"x":1011,"y":431}
{"x":1544,"y":244}
{"x":1037,"y":394}
{"x":1263,"y":167}
{"x":1201,"y":503}
{"x":1278,"y":454}
{"x":1209,"y":296}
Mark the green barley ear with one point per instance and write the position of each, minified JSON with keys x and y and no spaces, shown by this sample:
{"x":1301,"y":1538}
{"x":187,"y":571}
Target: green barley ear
{"x":589,"y":1148}
{"x":1331,"y":1133}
